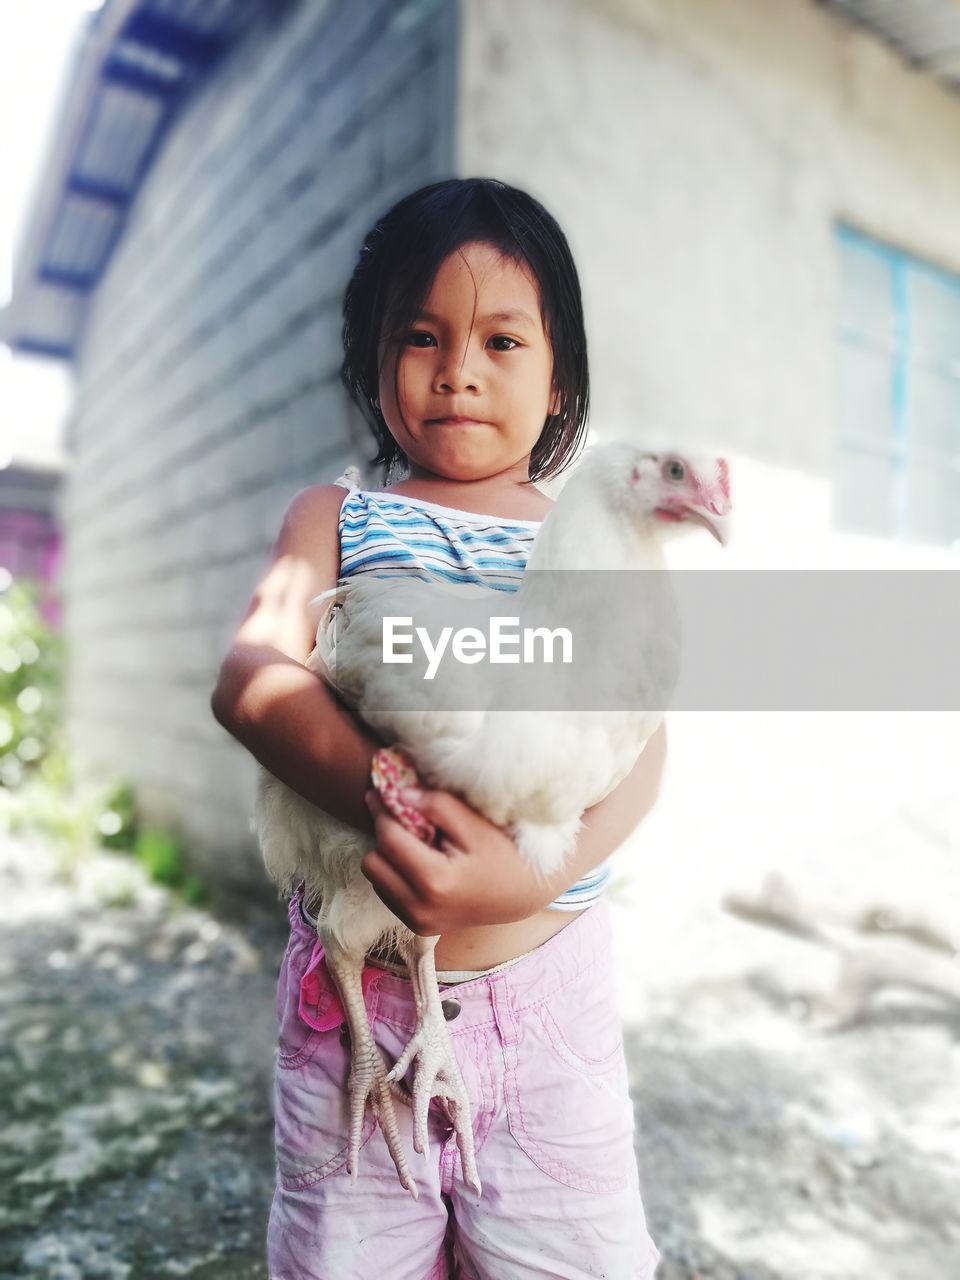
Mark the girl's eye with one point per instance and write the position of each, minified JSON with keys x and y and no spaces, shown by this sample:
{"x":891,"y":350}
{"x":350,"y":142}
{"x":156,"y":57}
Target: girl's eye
{"x":415,"y":335}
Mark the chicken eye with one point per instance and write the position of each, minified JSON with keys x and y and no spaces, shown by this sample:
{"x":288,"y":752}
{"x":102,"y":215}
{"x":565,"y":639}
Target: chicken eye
{"x":674,"y":470}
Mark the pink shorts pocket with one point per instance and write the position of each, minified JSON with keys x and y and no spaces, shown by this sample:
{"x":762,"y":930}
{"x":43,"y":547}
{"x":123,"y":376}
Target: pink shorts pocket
{"x":311,"y":1111}
{"x":296,"y":1038}
{"x":308,"y":1001}
{"x":566,"y":1088}
{"x":319,"y":1003}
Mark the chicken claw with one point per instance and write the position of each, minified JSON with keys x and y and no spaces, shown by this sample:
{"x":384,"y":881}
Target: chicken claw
{"x":436,"y":1074}
{"x":436,"y":1071}
{"x":369,"y":1080}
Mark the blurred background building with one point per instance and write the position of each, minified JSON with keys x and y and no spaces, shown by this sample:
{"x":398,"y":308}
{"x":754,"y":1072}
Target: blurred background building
{"x":29,"y":528}
{"x":763,"y":198}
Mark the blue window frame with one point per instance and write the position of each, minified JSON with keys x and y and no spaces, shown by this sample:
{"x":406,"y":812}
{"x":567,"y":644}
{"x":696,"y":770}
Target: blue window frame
{"x":898,"y":454}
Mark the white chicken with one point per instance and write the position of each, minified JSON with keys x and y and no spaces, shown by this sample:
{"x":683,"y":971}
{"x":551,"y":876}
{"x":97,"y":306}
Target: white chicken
{"x":527,"y":771}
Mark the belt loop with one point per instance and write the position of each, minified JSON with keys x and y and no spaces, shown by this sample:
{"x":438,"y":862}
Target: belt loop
{"x":504,"y":1014}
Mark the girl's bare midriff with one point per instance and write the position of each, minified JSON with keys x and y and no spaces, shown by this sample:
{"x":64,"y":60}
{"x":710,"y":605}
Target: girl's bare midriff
{"x":488,"y":945}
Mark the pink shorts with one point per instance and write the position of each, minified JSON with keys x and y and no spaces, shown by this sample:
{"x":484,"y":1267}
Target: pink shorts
{"x":541,"y":1051}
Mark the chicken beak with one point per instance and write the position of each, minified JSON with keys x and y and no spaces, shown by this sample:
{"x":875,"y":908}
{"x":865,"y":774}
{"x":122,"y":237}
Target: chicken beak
{"x":716,"y":522}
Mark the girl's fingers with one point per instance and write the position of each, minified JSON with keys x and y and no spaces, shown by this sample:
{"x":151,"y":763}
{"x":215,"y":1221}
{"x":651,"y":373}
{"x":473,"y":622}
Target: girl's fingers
{"x":457,"y":824}
{"x":373,"y":801}
{"x":446,"y":811}
{"x":416,"y":862}
{"x":389,"y":884}
{"x":395,"y":892}
{"x":455,"y":821}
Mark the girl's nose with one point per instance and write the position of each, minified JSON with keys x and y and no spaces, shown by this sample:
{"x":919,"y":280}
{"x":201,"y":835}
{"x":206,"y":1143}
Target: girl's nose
{"x":454,"y":373}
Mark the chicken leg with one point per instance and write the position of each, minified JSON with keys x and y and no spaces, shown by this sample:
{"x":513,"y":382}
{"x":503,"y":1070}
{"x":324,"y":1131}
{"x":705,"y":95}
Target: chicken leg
{"x":437,"y":1073}
{"x":369,"y":1081}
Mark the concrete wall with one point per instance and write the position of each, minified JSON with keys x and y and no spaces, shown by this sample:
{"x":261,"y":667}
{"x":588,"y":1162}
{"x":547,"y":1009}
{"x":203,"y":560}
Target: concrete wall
{"x":698,"y":153}
{"x":208,"y":392}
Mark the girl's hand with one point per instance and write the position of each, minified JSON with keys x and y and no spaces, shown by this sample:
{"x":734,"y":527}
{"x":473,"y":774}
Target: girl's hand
{"x":475,"y":877}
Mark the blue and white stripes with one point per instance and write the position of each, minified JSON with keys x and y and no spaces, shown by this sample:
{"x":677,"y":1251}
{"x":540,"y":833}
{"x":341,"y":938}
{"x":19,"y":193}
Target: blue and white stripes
{"x":387,"y":534}
{"x":394,"y":535}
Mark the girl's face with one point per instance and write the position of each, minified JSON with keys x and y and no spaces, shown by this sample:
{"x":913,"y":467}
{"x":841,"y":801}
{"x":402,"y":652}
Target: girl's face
{"x":478,"y":353}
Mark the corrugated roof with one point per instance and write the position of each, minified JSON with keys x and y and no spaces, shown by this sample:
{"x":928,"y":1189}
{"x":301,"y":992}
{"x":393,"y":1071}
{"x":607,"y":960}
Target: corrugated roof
{"x":927,"y":32}
{"x":136,"y":64}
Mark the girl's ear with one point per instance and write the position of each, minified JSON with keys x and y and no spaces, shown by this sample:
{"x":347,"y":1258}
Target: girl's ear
{"x":554,"y":402}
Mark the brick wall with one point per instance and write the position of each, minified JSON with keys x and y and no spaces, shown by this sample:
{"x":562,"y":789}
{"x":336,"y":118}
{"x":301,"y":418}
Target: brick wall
{"x":208,"y":392}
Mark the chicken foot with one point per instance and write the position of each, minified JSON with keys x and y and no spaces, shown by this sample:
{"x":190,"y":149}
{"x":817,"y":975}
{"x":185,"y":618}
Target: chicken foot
{"x":436,"y":1071}
{"x":369,"y":1080}
{"x":436,"y":1074}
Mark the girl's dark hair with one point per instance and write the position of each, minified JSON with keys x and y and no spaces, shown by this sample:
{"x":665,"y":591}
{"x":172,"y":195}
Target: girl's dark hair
{"x":398,"y":261}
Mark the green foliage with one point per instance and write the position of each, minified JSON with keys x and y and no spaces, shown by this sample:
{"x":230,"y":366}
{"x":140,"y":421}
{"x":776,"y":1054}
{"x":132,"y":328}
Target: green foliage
{"x":162,"y":856}
{"x":195,"y":891}
{"x":117,"y":822}
{"x":31,"y":666}
{"x":38,"y":792}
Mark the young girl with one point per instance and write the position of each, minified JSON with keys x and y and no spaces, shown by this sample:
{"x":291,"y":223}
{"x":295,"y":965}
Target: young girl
{"x":464,"y":346}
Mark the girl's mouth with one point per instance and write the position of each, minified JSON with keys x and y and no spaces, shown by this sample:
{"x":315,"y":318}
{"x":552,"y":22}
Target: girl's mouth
{"x":455,"y":422}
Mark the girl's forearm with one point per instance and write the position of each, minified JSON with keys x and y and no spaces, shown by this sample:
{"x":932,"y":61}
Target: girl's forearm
{"x":292,"y":723}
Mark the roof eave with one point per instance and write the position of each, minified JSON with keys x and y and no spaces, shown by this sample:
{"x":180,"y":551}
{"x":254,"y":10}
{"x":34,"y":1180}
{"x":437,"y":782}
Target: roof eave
{"x":69,"y":121}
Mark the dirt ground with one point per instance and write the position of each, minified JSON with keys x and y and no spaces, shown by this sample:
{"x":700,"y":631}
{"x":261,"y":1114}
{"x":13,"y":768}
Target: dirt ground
{"x":137,"y":1048}
{"x":794,"y":1048}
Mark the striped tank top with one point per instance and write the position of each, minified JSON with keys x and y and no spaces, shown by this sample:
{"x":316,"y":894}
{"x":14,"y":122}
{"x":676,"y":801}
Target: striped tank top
{"x":391,"y":534}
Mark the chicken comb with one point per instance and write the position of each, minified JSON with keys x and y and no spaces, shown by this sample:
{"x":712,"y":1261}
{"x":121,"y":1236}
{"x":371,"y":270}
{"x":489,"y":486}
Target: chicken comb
{"x":390,"y":771}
